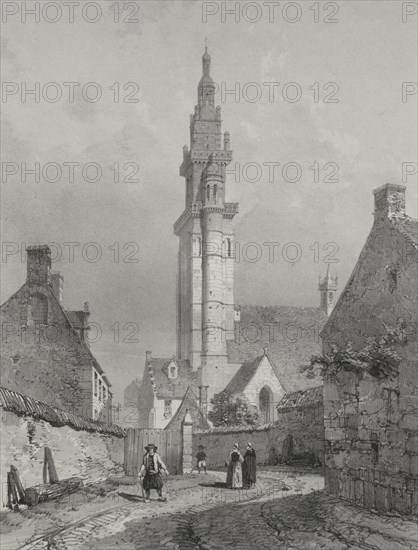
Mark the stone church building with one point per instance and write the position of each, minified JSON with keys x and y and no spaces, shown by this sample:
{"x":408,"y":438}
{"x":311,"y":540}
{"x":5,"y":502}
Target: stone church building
{"x":216,"y":348}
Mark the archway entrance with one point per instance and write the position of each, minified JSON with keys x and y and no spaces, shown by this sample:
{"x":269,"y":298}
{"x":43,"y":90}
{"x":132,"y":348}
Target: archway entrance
{"x":266,"y":405}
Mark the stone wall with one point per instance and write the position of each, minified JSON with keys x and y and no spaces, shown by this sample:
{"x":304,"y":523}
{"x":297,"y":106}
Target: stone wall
{"x":48,"y":361}
{"x":305,"y":424}
{"x":371,"y":424}
{"x":91,"y":456}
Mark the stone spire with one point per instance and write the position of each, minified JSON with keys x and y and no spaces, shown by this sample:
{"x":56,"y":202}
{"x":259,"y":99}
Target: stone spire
{"x":206,"y":88}
{"x":327,"y":287}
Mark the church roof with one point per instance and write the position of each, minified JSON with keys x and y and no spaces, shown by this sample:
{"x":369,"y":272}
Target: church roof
{"x":171,"y":388}
{"x":243,"y":376}
{"x":305,"y":398}
{"x":291,"y":335}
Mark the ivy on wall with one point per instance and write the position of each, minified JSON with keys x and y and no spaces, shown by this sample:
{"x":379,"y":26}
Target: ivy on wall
{"x":379,"y":357}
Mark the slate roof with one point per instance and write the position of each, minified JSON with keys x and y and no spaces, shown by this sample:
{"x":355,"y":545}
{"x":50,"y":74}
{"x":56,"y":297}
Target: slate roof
{"x":170,"y":388}
{"x":305,"y":398}
{"x":408,"y":227}
{"x":291,"y":335}
{"x":242,"y":377}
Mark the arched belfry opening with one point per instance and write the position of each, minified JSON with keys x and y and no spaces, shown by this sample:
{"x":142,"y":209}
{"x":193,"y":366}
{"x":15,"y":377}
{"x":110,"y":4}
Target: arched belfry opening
{"x":266,"y":405}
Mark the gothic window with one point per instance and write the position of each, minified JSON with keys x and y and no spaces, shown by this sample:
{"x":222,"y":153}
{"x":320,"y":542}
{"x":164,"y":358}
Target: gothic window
{"x":39,"y":307}
{"x":95,"y":383}
{"x":215,"y":192}
{"x":266,"y":405}
{"x":100,"y":390}
{"x":207,"y":192}
{"x":229,"y":248}
{"x":167,"y":408}
{"x":198,"y":246}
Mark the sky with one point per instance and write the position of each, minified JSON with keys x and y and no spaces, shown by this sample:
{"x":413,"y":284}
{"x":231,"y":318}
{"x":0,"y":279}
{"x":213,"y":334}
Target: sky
{"x":332,"y":124}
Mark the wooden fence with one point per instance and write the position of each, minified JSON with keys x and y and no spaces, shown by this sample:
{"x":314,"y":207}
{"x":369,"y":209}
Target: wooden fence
{"x":169,"y":443}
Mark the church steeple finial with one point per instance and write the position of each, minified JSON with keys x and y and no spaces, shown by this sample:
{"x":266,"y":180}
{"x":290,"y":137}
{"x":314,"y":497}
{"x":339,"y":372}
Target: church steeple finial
{"x":206,"y":59}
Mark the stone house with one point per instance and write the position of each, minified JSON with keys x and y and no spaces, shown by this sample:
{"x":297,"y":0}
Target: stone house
{"x":45,"y":352}
{"x":371,"y":423}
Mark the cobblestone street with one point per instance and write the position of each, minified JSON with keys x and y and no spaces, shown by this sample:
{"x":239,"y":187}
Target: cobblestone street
{"x":285,"y":510}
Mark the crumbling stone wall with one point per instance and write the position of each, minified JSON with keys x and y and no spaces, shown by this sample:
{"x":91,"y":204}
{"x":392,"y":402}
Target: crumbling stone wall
{"x":46,"y":361}
{"x":305,"y":424}
{"x":91,"y":456}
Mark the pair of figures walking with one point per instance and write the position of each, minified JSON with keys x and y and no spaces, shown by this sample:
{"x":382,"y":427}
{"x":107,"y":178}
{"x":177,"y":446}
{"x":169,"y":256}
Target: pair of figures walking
{"x":241,"y":471}
{"x":150,"y":473}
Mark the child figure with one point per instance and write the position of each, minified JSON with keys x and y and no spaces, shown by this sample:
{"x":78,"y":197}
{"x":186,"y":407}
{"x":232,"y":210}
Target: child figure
{"x":201,"y":459}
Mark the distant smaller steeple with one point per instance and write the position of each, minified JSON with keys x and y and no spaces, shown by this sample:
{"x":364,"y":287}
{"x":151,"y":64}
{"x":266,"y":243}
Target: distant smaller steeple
{"x":327,"y":287}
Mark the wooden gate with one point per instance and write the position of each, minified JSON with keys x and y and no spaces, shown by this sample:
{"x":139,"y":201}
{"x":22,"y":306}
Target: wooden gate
{"x":169,"y":443}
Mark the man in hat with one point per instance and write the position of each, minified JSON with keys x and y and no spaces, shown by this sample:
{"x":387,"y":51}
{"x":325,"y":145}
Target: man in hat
{"x":150,"y":474}
{"x":201,"y":459}
{"x":249,"y":467}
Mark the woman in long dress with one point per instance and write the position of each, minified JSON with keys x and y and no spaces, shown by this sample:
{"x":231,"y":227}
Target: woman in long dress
{"x":249,"y":467}
{"x":234,"y":473}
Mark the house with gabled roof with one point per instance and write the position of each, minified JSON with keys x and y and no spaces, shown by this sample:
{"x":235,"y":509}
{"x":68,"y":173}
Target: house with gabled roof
{"x":371,"y":418}
{"x":45,"y":352}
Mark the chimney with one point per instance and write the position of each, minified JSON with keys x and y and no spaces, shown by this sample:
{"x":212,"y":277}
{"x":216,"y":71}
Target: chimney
{"x":57,"y":282}
{"x":38,"y":264}
{"x":389,"y":201}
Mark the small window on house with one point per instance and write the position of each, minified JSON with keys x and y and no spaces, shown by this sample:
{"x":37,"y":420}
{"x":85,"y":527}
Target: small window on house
{"x":167,"y":408}
{"x":172,"y":371}
{"x":39,"y":306}
{"x":95,"y":384}
{"x":393,"y":279}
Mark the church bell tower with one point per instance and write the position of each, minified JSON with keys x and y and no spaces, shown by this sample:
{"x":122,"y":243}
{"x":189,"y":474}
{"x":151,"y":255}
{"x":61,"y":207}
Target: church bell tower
{"x":327,"y":288}
{"x":205,"y":280}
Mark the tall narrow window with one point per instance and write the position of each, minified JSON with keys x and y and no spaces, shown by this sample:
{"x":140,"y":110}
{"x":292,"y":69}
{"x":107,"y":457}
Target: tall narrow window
{"x":393,"y":279}
{"x":374,"y":441}
{"x":207,"y":192}
{"x":39,"y":307}
{"x":215,"y":192}
{"x":100,"y":390}
{"x":199,"y":246}
{"x":95,"y":383}
{"x":229,"y":247}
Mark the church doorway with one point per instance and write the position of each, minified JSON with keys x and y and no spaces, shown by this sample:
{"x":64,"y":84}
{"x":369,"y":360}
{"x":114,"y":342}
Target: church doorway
{"x":266,"y":405}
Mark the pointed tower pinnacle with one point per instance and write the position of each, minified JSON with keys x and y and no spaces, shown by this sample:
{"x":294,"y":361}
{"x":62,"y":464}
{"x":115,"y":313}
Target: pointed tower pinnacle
{"x":327,"y":287}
